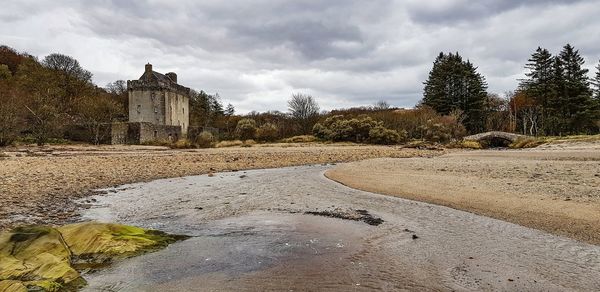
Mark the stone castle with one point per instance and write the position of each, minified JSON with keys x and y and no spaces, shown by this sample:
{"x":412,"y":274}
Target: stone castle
{"x":158,"y":110}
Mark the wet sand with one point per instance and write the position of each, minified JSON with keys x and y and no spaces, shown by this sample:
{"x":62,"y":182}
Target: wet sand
{"x":555,"y":188}
{"x":38,"y":184}
{"x":251,"y":234}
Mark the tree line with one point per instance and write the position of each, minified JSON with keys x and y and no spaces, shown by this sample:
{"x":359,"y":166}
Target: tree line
{"x":557,"y":97}
{"x":42,"y":100}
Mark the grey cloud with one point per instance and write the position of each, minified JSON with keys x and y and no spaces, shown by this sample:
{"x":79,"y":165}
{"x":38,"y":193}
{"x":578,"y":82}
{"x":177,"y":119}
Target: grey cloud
{"x":344,"y":52}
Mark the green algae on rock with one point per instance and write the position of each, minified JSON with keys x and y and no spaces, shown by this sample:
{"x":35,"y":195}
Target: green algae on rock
{"x":49,"y":259}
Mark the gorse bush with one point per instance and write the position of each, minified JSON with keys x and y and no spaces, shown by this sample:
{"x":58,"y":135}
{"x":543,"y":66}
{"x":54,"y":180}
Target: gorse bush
{"x":205,"y":140}
{"x":384,"y":136}
{"x":246,"y":129}
{"x":359,"y":129}
{"x":300,"y":139}
{"x":267,"y":132}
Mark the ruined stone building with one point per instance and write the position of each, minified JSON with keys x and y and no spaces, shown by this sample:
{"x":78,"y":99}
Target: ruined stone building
{"x":158,"y":110}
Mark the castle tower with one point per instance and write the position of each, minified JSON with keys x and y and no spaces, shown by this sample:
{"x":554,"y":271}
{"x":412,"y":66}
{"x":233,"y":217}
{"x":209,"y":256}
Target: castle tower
{"x":157,"y":99}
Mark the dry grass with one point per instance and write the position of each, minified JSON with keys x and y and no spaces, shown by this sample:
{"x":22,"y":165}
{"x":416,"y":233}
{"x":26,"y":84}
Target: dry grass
{"x":300,"y":139}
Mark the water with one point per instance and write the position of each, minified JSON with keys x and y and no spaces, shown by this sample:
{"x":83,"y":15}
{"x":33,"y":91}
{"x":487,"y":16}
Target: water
{"x":249,"y":253}
{"x":246,"y":239}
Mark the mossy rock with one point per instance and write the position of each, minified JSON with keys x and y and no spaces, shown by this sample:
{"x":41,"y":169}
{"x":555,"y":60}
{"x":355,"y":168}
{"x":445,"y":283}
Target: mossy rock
{"x":41,"y":258}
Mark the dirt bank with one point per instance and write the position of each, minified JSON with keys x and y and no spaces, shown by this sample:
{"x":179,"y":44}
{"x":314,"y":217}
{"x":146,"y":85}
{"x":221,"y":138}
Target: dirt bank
{"x":556,"y":189}
{"x":37,"y":185}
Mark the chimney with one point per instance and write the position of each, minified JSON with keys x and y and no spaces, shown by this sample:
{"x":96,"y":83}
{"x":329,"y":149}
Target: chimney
{"x":172,"y":76}
{"x":148,"y":68}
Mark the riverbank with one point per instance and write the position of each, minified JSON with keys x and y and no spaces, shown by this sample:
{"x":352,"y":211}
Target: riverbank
{"x":555,"y":188}
{"x":38,"y":184}
{"x":254,"y":231}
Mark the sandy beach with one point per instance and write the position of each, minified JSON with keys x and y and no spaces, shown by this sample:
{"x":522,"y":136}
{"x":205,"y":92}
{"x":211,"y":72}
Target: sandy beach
{"x":555,"y":188}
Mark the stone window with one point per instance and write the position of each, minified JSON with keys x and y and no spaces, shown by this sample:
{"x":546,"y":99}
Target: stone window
{"x":139,"y":108}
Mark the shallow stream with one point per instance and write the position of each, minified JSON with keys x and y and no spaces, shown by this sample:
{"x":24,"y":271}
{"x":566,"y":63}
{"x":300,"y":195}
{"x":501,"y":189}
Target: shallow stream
{"x":250,"y":234}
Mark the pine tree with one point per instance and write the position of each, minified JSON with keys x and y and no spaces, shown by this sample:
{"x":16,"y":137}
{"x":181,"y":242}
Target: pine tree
{"x":577,"y":104}
{"x":538,"y":85}
{"x":596,"y":83}
{"x":455,"y":84}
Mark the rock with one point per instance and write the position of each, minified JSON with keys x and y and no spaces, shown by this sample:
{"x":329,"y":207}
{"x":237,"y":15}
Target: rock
{"x":48,"y":259}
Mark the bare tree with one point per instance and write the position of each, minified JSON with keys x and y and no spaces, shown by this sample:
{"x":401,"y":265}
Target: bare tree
{"x":381,"y":105}
{"x":95,"y":113}
{"x":68,"y":65}
{"x":305,"y":110}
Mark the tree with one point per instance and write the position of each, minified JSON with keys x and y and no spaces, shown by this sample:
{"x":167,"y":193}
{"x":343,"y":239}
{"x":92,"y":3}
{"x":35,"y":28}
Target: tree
{"x":576,"y":105}
{"x":538,"y":85}
{"x":596,"y":83}
{"x":229,"y":110}
{"x":11,"y":112}
{"x":44,"y":118}
{"x":304,"y":110}
{"x":118,"y":90}
{"x":95,"y":112}
{"x":5,"y":73}
{"x":73,"y":79}
{"x":381,"y":105}
{"x":455,"y":84}
{"x":10,"y":58}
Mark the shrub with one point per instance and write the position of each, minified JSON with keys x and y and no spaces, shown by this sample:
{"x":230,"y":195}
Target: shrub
{"x":337,"y":128}
{"x":267,"y":132}
{"x":384,"y":136}
{"x":467,"y":144}
{"x":182,"y":144}
{"x":300,"y":139}
{"x":249,"y":143}
{"x":246,"y":129}
{"x":205,"y":140}
{"x":442,"y":130}
{"x":527,"y":143}
{"x":229,"y":143}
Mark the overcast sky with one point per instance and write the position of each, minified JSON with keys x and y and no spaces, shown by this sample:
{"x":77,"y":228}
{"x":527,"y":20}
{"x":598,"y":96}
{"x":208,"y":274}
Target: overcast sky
{"x":255,"y":54}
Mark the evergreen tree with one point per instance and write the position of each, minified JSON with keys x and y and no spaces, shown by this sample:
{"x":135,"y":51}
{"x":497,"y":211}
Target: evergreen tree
{"x":455,"y":84}
{"x":596,"y":83}
{"x":538,"y":85}
{"x":577,"y":104}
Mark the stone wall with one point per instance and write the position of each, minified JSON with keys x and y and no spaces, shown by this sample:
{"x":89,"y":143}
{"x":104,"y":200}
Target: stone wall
{"x":177,"y":110}
{"x":147,"y":106}
{"x":140,"y":133}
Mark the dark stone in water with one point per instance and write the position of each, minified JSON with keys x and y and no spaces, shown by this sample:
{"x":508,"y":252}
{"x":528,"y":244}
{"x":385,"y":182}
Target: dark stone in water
{"x":356,"y":215}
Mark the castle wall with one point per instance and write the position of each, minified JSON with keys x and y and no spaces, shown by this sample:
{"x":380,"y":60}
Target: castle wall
{"x":139,"y":133}
{"x":177,"y":110}
{"x":147,"y":106}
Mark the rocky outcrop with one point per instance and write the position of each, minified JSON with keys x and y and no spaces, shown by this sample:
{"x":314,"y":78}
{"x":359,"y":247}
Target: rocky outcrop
{"x":49,"y":259}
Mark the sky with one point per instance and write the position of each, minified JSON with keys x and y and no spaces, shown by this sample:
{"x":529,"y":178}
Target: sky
{"x":345,"y":53}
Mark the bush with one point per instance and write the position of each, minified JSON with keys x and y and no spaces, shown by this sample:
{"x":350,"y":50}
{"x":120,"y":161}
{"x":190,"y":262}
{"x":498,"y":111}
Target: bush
{"x":182,"y":144}
{"x":384,"y":136}
{"x":267,"y":132}
{"x":467,"y":144}
{"x":300,"y":139}
{"x":527,"y":143}
{"x":337,"y":128}
{"x":442,"y":130}
{"x":249,"y":143}
{"x":229,"y":143}
{"x":246,"y":129}
{"x":205,"y":140}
